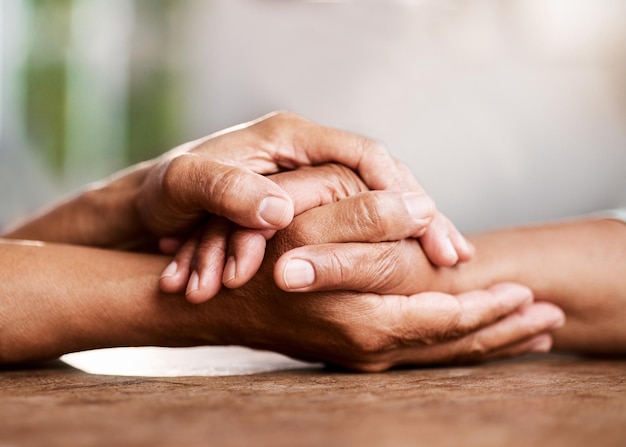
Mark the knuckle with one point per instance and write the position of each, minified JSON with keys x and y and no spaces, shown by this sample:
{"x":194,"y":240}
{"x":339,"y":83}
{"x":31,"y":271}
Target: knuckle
{"x":338,"y":266}
{"x":370,"y":213}
{"x":375,"y":146}
{"x":384,"y":266}
{"x":172,"y":175}
{"x":283,"y":115}
{"x":227,"y":184}
{"x":341,"y":182}
{"x":278,"y":120}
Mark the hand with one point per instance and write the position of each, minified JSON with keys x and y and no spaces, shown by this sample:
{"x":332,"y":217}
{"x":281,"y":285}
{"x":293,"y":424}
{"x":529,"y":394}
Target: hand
{"x":370,"y":331}
{"x":364,"y":331}
{"x":221,"y":174}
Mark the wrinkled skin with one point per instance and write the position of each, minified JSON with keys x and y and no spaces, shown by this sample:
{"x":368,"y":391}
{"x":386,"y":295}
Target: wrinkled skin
{"x":371,"y":331}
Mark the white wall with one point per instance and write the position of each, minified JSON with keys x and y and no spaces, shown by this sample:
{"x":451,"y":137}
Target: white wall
{"x":507,"y":111}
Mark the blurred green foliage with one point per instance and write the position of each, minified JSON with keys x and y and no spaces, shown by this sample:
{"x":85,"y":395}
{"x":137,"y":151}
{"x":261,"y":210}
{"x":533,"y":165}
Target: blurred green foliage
{"x":151,"y":121}
{"x":45,"y":78}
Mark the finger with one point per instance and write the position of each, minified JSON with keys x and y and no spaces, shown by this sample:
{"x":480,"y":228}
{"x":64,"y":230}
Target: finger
{"x":535,"y":344}
{"x":464,"y":249}
{"x":170,"y":245}
{"x":437,"y":243}
{"x":408,"y":178}
{"x":192,"y":183}
{"x":448,"y":317}
{"x":310,"y":187}
{"x":176,"y":275}
{"x":442,"y":240}
{"x":206,"y":279}
{"x":444,"y":244}
{"x":435,"y":328}
{"x":367,"y":217}
{"x":312,"y":144}
{"x":385,"y":268}
{"x":245,"y":254}
{"x":527,"y":322}
{"x":372,"y":216}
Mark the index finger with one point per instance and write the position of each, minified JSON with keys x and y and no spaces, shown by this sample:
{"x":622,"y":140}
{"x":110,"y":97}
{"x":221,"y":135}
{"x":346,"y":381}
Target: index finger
{"x":308,"y":143}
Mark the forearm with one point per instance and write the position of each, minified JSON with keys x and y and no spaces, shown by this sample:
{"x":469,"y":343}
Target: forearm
{"x":57,"y":299}
{"x":103,"y":214}
{"x":579,"y":266}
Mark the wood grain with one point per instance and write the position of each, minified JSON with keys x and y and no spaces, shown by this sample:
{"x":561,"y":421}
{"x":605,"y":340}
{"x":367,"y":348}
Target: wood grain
{"x":538,"y":401}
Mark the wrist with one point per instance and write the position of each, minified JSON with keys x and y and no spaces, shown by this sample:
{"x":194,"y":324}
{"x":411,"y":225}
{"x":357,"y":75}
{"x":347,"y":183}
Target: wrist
{"x":487,"y":267}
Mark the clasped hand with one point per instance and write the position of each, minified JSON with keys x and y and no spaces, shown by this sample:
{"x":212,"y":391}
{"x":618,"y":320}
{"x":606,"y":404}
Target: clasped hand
{"x":352,"y":233}
{"x":220,"y":180}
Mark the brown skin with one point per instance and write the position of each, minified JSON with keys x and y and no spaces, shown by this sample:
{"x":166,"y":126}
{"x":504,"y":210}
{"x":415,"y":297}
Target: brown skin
{"x":579,"y":266}
{"x":111,"y":298}
{"x":223,"y":175}
{"x":61,"y":298}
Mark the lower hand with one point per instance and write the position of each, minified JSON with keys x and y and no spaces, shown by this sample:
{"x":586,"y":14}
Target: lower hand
{"x":370,"y":331}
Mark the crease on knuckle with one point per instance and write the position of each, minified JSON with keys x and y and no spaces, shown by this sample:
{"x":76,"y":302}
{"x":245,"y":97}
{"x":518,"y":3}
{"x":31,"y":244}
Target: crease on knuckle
{"x":341,"y":182}
{"x":383,"y":269}
{"x":370,"y":220}
{"x":170,"y":177}
{"x":219,"y":188}
{"x":339,"y":267}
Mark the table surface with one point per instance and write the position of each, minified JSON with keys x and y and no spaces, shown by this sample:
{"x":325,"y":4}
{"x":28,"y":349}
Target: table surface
{"x":537,"y":400}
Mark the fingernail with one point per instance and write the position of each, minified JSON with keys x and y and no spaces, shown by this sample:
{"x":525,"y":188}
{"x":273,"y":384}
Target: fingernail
{"x":544,"y":344}
{"x":298,"y":274}
{"x":276,"y":211}
{"x":449,"y":252}
{"x":170,"y":270}
{"x":194,"y":282}
{"x":229,"y":270}
{"x":419,"y":206}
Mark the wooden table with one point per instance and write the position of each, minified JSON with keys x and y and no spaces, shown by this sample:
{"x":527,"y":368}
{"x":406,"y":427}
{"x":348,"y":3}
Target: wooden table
{"x":532,"y":401}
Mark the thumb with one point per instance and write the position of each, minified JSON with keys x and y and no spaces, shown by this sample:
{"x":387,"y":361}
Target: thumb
{"x":192,"y":183}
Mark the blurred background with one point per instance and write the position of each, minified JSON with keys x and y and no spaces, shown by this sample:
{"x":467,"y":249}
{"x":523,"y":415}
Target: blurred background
{"x":508,"y":111}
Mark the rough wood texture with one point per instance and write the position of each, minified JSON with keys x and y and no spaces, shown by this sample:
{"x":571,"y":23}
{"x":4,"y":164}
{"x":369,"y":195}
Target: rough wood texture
{"x":539,"y":401}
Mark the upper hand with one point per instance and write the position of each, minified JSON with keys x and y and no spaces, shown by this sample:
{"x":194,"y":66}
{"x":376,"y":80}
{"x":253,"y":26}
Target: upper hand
{"x":224,"y":175}
{"x":373,"y":331}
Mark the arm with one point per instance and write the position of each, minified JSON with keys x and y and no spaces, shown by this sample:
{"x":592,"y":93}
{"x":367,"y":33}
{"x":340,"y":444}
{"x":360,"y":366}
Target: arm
{"x":57,"y":299}
{"x":580,"y":266}
{"x":224,"y":174}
